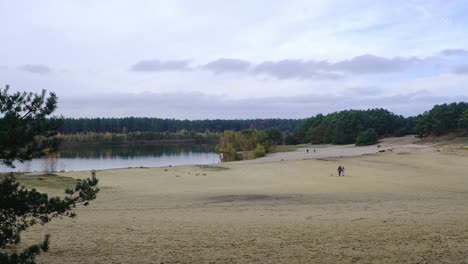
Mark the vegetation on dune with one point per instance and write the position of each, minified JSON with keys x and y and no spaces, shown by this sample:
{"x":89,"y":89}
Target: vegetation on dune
{"x":361,"y":127}
{"x":442,"y":119}
{"x":355,"y":126}
{"x":343,"y":127}
{"x":212,"y":167}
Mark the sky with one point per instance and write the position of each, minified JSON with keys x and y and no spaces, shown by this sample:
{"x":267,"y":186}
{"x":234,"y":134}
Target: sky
{"x":236,"y":59}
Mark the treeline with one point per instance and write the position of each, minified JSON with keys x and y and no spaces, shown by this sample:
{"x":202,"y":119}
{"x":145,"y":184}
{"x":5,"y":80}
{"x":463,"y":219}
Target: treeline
{"x":138,"y":138}
{"x":146,"y":124}
{"x":442,"y":119}
{"x":364,"y":127}
{"x":344,"y":127}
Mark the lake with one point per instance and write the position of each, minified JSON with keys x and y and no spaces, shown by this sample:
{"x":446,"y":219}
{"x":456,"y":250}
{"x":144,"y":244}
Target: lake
{"x":112,"y":157}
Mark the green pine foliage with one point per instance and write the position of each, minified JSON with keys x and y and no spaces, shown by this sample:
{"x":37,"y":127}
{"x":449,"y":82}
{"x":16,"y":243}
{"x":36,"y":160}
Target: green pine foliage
{"x":21,"y":208}
{"x":27,"y":131}
{"x":442,"y":119}
{"x":366,"y":137}
{"x":343,"y":127}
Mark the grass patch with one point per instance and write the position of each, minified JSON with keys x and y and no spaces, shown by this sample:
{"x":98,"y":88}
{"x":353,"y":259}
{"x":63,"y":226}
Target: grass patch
{"x":46,"y":181}
{"x":212,"y":168}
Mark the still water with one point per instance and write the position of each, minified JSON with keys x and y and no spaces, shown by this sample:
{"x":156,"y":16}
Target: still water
{"x":99,"y":158}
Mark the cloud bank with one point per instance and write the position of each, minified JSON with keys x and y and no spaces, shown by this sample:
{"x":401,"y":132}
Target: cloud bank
{"x":35,"y":68}
{"x":158,"y":66}
{"x":293,"y":68}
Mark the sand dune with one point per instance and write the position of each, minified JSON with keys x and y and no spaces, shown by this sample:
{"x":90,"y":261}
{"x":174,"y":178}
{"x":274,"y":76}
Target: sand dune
{"x":408,"y":205}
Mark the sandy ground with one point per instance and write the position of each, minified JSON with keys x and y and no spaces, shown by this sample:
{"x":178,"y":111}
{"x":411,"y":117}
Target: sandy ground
{"x":407,"y":205}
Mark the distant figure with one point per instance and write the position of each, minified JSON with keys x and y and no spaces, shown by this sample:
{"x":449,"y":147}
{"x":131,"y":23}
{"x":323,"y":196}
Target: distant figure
{"x":340,"y":169}
{"x":314,"y":150}
{"x":307,"y":150}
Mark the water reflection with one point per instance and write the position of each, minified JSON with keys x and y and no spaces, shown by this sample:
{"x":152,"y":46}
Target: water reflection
{"x":132,"y":151}
{"x":111,"y":157}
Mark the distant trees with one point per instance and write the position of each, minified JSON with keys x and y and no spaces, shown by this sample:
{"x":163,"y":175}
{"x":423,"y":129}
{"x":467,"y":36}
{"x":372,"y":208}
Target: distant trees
{"x":463,"y":121}
{"x":343,"y":127}
{"x":442,"y":119}
{"x":159,"y":125}
{"x":359,"y":126}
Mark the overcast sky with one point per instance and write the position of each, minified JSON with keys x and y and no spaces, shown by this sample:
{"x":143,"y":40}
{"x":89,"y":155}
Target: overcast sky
{"x":236,"y":59}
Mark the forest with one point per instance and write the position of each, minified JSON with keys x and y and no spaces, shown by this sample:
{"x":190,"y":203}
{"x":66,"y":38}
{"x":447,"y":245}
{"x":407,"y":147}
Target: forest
{"x":144,"y":124}
{"x":344,"y":127}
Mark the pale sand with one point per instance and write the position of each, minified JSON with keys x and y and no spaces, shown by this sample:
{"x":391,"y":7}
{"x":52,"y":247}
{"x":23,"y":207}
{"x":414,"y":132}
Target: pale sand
{"x":409,"y":205}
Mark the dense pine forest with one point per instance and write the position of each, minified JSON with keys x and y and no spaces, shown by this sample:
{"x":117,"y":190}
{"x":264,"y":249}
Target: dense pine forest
{"x":147,"y":124}
{"x":345,"y":127}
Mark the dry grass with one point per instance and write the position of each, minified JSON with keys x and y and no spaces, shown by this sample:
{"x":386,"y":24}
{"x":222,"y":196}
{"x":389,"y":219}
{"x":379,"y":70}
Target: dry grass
{"x":43,"y":181}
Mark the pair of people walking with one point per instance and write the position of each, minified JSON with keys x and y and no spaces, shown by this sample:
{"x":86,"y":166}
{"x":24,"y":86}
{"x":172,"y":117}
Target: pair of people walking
{"x":341,"y":170}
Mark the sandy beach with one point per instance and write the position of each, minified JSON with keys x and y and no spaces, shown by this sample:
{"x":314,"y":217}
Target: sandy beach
{"x":408,"y":204}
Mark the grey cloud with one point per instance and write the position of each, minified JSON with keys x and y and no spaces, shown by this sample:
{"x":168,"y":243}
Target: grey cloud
{"x":454,"y":52}
{"x":374,"y":64}
{"x":35,"y":68}
{"x":157,"y":65}
{"x":288,"y":69}
{"x":202,"y":106}
{"x":461,"y":69}
{"x":225,"y":65}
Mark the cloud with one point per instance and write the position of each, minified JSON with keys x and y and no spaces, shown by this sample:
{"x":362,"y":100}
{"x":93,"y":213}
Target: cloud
{"x":371,"y":64}
{"x":225,"y":65}
{"x":290,"y":68}
{"x":157,"y":65}
{"x":461,"y":69}
{"x":454,"y":52}
{"x":35,"y":68}
{"x":302,"y":69}
{"x":298,"y":69}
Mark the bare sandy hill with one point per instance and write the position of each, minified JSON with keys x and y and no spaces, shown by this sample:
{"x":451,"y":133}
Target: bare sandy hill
{"x":408,"y":205}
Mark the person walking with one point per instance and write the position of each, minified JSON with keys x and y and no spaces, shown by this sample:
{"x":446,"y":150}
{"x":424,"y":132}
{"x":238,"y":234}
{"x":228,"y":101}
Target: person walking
{"x":340,"y":169}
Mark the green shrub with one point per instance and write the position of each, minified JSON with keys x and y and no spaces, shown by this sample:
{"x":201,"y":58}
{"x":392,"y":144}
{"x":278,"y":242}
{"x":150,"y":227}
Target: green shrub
{"x":366,"y":137}
{"x":259,"y":151}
